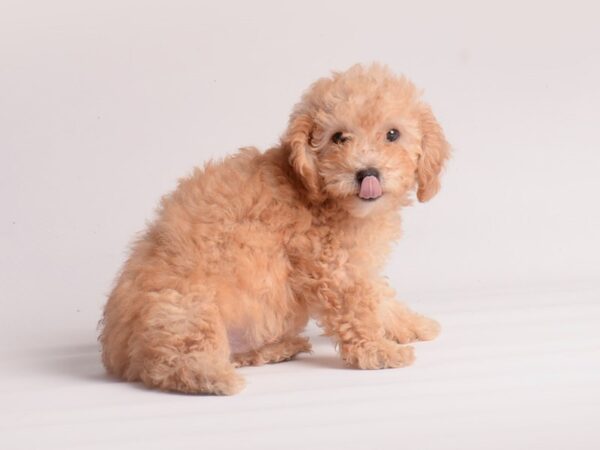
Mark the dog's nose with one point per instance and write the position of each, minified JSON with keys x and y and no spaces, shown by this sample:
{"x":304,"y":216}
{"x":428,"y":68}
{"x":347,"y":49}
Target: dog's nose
{"x":364,"y":173}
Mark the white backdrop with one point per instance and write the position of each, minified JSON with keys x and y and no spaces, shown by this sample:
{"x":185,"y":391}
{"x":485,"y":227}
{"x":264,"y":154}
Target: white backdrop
{"x":105,"y":104}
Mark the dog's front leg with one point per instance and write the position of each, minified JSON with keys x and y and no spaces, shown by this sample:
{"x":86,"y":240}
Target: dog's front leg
{"x":351,"y":316}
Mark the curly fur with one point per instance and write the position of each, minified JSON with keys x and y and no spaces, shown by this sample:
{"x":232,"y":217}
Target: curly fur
{"x":247,"y":249}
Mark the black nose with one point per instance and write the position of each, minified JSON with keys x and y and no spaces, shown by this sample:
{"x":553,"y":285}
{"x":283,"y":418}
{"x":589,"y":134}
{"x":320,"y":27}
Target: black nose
{"x":370,"y":171}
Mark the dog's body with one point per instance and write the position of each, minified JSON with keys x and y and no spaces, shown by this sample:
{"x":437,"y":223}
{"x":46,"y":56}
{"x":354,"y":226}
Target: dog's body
{"x":245,"y":251}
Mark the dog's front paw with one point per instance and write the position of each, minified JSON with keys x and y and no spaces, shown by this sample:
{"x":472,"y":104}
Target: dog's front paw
{"x":426,"y":329}
{"x":418,"y":328}
{"x":377,"y":355}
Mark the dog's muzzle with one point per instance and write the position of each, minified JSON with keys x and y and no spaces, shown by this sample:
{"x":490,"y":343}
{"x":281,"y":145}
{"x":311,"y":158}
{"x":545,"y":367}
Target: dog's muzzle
{"x":370,"y":186}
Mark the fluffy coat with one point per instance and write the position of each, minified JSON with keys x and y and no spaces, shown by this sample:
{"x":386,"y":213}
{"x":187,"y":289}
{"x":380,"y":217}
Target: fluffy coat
{"x":246,"y":250}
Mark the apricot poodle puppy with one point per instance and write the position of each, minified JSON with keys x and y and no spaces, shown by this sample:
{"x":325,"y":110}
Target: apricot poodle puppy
{"x":247,"y":249}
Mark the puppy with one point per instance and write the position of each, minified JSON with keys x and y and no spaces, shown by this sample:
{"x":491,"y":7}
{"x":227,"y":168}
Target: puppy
{"x":246,"y":250}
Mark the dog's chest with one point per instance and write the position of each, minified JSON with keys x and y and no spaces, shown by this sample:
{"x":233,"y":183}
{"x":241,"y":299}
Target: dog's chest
{"x":319,"y":254}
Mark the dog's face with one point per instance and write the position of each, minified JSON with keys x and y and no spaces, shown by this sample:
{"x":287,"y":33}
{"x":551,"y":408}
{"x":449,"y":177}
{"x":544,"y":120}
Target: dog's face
{"x":364,"y":140}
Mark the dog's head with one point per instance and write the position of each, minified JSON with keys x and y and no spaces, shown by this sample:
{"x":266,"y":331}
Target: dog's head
{"x":364,"y":139}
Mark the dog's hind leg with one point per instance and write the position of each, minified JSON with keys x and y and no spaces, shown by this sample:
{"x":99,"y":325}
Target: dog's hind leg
{"x":283,"y":350}
{"x":181,"y":345}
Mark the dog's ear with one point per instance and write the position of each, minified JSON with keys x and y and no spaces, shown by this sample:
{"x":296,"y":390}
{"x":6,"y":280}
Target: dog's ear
{"x":434,"y":153}
{"x":302,"y":154}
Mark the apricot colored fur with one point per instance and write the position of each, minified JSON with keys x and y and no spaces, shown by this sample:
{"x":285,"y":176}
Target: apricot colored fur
{"x":247,"y":249}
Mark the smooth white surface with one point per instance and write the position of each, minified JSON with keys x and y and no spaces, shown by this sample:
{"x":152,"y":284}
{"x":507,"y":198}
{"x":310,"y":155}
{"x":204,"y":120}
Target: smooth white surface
{"x":103,"y":105}
{"x":511,"y":370}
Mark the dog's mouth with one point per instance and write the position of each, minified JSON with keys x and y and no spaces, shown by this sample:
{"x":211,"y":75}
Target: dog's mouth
{"x":370,"y":188}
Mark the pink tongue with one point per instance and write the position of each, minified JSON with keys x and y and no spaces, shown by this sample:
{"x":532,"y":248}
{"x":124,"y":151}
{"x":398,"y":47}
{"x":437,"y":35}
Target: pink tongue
{"x":370,"y":188}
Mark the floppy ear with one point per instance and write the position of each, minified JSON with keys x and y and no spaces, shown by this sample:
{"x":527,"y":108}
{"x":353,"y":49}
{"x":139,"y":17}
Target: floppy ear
{"x":302,"y":157}
{"x":434,"y":153}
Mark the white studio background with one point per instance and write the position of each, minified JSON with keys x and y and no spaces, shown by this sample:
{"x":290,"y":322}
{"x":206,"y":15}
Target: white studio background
{"x":105,"y":104}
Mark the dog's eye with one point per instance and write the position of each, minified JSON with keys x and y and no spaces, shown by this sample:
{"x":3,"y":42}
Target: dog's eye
{"x":392,"y":135}
{"x":339,"y":138}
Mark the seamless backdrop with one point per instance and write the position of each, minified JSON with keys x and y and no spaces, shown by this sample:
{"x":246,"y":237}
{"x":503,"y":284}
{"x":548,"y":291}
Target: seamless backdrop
{"x":105,"y":104}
